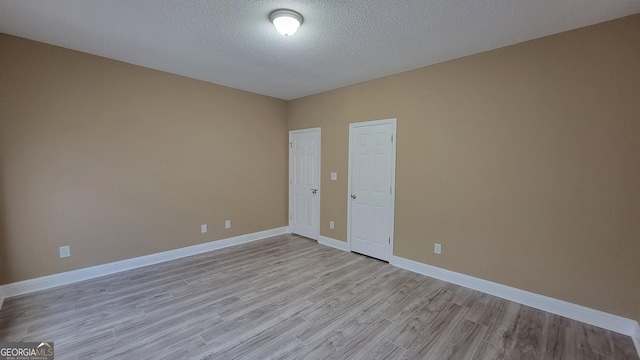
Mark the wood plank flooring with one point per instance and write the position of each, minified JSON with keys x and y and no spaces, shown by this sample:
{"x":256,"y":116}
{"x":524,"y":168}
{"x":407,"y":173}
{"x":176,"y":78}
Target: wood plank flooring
{"x":289,"y":298}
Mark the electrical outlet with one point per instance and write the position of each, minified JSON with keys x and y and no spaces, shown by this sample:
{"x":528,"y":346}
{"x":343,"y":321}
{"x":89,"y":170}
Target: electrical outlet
{"x":437,"y":248}
{"x":334,"y":176}
{"x":331,"y":225}
{"x":65,"y":251}
{"x":227,"y":224}
{"x":203,"y":228}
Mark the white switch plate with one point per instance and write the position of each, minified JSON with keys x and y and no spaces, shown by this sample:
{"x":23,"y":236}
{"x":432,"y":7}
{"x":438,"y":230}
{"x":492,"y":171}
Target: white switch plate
{"x":334,"y":176}
{"x":227,"y":224}
{"x":65,"y":251}
{"x":203,"y":228}
{"x":331,"y":224}
{"x":437,"y":248}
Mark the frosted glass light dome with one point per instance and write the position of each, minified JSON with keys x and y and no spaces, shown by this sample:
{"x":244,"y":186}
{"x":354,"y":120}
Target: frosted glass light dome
{"x":286,"y":22}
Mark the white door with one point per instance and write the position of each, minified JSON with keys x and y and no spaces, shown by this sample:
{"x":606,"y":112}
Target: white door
{"x":371,"y":187}
{"x":304,"y":182}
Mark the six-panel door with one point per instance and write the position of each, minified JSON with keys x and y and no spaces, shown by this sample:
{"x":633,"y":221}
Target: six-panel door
{"x":371,"y":189}
{"x":304,"y":182}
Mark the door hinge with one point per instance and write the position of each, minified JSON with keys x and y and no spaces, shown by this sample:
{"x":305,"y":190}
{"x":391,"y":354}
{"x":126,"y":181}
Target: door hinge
{"x":391,"y":137}
{"x":290,"y":144}
{"x":390,"y":190}
{"x":290,"y":217}
{"x":389,"y":240}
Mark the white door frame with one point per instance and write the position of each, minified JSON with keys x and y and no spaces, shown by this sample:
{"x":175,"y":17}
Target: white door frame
{"x":291,"y":132}
{"x":392,"y":121}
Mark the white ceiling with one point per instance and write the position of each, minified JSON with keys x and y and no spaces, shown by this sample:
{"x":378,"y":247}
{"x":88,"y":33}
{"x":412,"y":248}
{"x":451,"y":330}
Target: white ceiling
{"x":341,"y":42}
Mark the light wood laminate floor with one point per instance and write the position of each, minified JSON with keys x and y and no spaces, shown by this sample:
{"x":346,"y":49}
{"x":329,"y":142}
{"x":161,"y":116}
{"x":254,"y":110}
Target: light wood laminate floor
{"x":288,"y":297}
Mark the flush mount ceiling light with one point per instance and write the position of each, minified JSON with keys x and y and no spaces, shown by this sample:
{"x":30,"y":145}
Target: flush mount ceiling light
{"x":286,"y":21}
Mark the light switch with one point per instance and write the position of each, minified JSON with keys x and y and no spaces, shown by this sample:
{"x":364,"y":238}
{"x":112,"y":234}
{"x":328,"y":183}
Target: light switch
{"x":334,"y":176}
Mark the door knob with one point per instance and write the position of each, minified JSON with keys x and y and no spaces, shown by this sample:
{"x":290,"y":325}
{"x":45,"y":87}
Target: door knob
{"x":353,"y":196}
{"x":314,"y":191}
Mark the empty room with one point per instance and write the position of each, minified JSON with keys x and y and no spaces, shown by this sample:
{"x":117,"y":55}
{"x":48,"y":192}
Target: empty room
{"x":319,"y":179}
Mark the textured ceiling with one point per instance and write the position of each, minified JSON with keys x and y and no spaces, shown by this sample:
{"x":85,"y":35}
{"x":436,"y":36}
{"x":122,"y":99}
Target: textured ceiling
{"x":341,"y":42}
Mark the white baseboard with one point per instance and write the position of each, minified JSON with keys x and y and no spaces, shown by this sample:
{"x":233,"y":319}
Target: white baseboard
{"x":340,"y":245}
{"x":587,"y":315}
{"x":636,"y":338}
{"x":50,"y":281}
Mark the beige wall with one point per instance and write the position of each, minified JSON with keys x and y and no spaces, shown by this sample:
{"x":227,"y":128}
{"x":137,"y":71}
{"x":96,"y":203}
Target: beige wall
{"x":119,"y":161}
{"x":523,"y":162}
